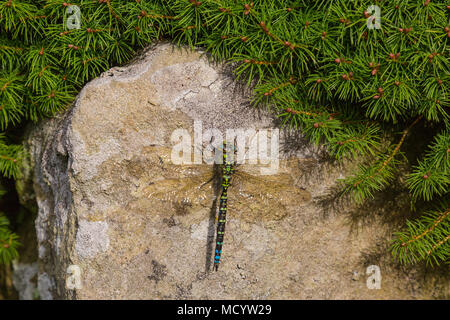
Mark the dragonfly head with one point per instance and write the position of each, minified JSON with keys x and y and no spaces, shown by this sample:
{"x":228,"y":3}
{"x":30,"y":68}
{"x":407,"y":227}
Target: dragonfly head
{"x":229,"y":149}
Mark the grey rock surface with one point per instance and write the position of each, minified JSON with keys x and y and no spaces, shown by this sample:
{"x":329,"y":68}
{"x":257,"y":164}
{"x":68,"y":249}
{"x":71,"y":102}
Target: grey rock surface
{"x":22,"y":279}
{"x":111,"y":201}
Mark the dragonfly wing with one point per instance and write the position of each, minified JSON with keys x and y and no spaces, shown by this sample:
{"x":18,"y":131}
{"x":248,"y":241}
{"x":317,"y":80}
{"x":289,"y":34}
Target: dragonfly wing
{"x":186,"y":192}
{"x":266,"y":197}
{"x":169,"y":185}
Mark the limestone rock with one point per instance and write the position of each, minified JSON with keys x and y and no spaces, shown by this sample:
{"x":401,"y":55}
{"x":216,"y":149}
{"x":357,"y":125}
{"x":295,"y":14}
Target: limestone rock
{"x":111,"y":202}
{"x":22,"y":279}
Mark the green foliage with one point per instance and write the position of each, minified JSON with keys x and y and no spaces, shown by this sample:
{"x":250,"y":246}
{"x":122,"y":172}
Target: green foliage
{"x":8,"y":240}
{"x":9,"y":157}
{"x":425,"y":239}
{"x":431,"y":176}
{"x":360,"y":92}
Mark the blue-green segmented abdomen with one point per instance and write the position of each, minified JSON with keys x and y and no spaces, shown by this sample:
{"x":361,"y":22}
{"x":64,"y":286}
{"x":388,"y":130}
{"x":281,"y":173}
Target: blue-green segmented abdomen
{"x":227,"y":170}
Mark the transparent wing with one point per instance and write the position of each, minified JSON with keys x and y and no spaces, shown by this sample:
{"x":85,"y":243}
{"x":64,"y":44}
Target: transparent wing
{"x":266,"y":197}
{"x":194,"y":189}
{"x":169,"y":186}
{"x":251,"y":196}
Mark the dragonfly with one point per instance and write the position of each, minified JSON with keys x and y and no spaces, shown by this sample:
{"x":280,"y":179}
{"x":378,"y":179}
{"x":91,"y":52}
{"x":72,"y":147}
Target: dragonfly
{"x":189,"y":187}
{"x":227,"y":170}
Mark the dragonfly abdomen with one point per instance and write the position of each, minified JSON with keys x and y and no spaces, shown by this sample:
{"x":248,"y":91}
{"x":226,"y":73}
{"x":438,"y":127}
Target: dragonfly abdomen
{"x":221,"y":226}
{"x":226,"y":179}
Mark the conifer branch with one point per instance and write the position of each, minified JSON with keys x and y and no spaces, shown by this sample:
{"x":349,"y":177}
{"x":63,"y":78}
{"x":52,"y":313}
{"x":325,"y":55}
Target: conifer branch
{"x":388,"y":160}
